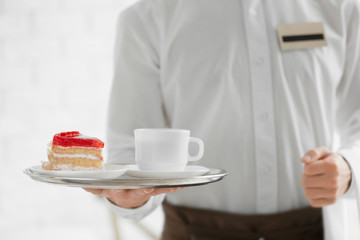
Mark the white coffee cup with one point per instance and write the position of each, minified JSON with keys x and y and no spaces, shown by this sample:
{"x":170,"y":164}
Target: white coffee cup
{"x":163,"y":149}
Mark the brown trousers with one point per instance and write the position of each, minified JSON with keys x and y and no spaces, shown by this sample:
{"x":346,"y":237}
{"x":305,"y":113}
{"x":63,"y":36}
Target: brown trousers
{"x":183,"y":223}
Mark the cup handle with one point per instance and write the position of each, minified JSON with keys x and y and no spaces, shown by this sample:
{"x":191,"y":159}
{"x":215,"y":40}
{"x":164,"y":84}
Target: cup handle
{"x":201,"y":149}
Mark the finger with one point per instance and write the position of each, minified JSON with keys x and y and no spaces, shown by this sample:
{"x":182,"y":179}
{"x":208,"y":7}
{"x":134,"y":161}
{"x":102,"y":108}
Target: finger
{"x":327,"y":166}
{"x":148,"y":190}
{"x":165,"y":190}
{"x":315,"y":154}
{"x":318,"y":167}
{"x":94,"y":191}
{"x":318,"y":181}
{"x":322,"y":202}
{"x":120,"y":191}
{"x":114,"y":193}
{"x":130,"y":193}
{"x":318,"y":193}
{"x":140,"y":193}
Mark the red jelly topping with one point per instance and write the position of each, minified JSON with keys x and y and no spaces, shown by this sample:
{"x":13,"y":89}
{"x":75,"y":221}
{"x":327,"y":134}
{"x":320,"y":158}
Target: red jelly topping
{"x":70,"y":134}
{"x":74,"y":138}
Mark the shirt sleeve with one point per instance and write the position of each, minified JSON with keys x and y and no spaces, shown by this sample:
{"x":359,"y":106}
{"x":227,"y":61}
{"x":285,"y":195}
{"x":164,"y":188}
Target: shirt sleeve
{"x":351,"y":192}
{"x":348,"y":92}
{"x":136,"y":99}
{"x":139,"y":213}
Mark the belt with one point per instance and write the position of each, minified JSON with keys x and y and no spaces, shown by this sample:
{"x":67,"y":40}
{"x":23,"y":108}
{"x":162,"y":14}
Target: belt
{"x":184,"y":223}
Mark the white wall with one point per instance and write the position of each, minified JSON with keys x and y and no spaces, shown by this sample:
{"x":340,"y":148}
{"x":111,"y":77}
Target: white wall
{"x":55,"y":75}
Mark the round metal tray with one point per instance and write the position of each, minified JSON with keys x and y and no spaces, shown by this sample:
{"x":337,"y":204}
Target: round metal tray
{"x":127,"y":182}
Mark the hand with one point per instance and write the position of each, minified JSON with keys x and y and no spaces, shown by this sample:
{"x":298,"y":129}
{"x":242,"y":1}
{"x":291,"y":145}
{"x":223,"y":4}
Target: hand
{"x":327,"y":176}
{"x":129,"y":198}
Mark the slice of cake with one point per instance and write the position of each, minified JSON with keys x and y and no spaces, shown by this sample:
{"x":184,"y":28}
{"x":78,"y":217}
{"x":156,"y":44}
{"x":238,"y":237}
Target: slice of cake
{"x":73,"y":151}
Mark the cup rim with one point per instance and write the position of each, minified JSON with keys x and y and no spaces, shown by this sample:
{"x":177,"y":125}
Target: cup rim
{"x":161,"y":129}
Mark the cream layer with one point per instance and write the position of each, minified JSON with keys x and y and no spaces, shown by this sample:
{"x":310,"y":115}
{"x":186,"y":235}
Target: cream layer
{"x":69,"y":167}
{"x":75,"y":156}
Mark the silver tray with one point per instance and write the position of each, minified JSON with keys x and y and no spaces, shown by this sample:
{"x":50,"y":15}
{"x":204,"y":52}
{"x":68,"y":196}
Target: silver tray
{"x":127,"y":182}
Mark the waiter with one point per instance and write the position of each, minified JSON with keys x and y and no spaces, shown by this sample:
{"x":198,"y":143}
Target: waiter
{"x":266,"y":85}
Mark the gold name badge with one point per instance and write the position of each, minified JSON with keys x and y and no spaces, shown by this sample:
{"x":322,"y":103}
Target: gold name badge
{"x":301,"y":35}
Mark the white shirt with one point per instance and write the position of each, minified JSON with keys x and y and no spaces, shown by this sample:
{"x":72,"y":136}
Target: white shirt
{"x":216,"y":68}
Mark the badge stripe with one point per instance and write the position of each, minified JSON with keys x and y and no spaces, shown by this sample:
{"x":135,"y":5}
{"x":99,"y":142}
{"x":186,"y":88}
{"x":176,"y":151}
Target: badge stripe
{"x":303,"y":38}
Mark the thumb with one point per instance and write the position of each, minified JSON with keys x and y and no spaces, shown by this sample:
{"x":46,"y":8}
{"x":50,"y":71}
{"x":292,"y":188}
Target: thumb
{"x":148,"y":190}
{"x":141,"y":192}
{"x":315,"y":154}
